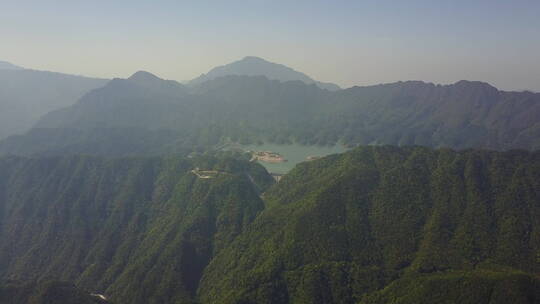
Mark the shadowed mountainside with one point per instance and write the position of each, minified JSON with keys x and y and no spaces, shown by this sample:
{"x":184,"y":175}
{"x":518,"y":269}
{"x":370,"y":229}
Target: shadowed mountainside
{"x":254,"y":109}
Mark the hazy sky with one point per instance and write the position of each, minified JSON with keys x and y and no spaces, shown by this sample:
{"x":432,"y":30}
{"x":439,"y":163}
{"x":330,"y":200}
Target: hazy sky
{"x":346,"y":42}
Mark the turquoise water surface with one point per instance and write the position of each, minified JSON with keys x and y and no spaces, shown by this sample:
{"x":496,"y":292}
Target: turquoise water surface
{"x":293,"y":153}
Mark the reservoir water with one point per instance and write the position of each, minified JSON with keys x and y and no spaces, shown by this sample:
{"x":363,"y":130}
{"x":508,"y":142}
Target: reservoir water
{"x":293,"y":153}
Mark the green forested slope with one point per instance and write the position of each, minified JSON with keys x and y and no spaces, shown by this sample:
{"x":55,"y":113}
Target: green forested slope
{"x":46,"y":292}
{"x":345,"y":226}
{"x":463,"y":287}
{"x":373,"y":225}
{"x":136,"y":229}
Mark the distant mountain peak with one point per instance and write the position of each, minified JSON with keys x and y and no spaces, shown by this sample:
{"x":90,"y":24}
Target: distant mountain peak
{"x":4,"y":65}
{"x":253,"y":58}
{"x":150,"y":81}
{"x":143,"y":76}
{"x":477,"y":86}
{"x":470,"y":83}
{"x":256,"y":66}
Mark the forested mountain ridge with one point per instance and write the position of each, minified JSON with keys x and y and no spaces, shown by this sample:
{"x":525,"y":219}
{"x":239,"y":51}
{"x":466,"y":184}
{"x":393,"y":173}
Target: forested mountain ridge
{"x":140,"y":230}
{"x":138,"y":101}
{"x":130,"y":116}
{"x":464,"y":287}
{"x":467,"y":114}
{"x":374,"y":225}
{"x":431,"y":225}
{"x":46,"y":292}
{"x":254,"y":109}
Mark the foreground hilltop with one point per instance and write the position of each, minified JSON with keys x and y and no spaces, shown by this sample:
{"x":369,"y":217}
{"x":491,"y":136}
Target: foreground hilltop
{"x":139,"y":230}
{"x":391,"y":225}
{"x":371,"y":225}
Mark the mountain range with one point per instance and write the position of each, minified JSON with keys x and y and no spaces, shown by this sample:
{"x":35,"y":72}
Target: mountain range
{"x":26,"y":95}
{"x":121,"y":191}
{"x":467,"y":114}
{"x":147,"y":115}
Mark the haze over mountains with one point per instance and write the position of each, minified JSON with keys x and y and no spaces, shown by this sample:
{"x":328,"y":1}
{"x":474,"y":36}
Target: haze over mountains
{"x":26,"y":95}
{"x":255,"y":66}
{"x":145,"y":114}
{"x":121,"y":188}
{"x":270,"y":152}
{"x":4,"y":65}
{"x":402,"y":113}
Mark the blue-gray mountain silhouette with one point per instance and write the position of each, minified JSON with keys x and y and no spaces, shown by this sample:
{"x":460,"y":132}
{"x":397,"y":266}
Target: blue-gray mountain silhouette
{"x":4,"y":65}
{"x":26,"y":95}
{"x":255,"y":66}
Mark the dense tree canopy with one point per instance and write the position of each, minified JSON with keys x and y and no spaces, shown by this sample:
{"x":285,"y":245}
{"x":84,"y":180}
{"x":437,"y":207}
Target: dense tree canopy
{"x":373,"y":225}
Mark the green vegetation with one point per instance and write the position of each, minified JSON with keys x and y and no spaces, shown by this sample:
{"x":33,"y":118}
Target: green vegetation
{"x":474,"y":287}
{"x":137,"y":230}
{"x":348,"y":225}
{"x":47,"y":292}
{"x":374,"y":225}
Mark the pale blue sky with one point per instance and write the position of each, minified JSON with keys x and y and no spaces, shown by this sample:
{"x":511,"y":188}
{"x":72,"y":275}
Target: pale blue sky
{"x":346,"y":42}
